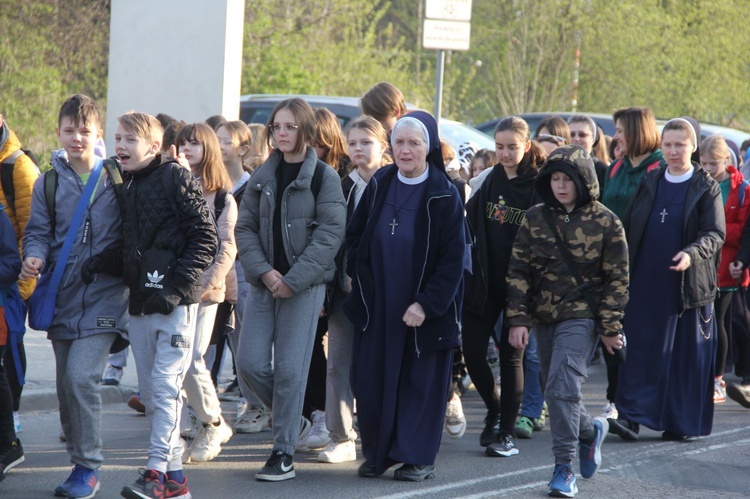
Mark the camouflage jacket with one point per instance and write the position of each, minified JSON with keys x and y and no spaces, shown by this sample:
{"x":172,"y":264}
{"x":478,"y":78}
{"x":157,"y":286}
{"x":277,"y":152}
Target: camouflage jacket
{"x":541,"y":288}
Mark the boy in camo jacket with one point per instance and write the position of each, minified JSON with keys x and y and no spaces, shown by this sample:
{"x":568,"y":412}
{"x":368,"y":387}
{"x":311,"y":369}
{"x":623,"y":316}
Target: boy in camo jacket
{"x":543,"y":293}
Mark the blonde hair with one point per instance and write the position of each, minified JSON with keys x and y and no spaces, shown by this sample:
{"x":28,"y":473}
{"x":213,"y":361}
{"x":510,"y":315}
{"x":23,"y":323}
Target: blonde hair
{"x":211,"y":168}
{"x":715,"y":146}
{"x":143,"y":125}
{"x":241,"y":136}
{"x":372,"y":127}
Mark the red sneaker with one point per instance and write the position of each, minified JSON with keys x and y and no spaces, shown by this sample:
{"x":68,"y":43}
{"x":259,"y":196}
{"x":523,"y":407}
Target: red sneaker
{"x":149,"y":486}
{"x":177,"y":490}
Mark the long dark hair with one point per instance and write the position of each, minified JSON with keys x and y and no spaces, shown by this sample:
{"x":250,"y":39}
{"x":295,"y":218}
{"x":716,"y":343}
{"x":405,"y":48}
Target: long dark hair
{"x":532,"y":158}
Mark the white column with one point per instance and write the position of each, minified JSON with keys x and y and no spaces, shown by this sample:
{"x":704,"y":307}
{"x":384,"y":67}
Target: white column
{"x":179,"y":57}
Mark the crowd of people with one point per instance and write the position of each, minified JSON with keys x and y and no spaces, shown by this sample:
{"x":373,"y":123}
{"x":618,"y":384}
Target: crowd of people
{"x":202,"y":243}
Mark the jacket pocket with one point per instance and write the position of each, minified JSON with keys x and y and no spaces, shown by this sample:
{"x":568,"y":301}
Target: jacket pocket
{"x":569,"y":378}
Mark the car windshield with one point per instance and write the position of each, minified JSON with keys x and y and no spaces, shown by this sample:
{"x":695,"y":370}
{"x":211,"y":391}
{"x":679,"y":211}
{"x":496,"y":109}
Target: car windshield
{"x":456,"y":133}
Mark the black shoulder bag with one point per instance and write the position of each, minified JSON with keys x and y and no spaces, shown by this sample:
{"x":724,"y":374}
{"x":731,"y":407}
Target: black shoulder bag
{"x":583,"y":287}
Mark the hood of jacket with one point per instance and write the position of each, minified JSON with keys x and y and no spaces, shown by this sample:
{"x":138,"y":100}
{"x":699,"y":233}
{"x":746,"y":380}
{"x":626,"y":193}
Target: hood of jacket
{"x":573,"y":161}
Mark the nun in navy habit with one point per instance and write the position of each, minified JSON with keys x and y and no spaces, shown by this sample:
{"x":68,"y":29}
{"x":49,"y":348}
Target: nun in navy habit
{"x":405,"y":247}
{"x":675,"y":228}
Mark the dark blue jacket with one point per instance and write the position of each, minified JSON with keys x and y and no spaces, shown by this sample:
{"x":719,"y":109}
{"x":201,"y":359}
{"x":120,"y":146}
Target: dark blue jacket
{"x":439,"y":259}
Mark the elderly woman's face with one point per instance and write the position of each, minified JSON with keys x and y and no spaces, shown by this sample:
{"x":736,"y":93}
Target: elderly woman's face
{"x":410,"y":151}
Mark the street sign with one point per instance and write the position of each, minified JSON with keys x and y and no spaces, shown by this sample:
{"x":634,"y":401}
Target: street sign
{"x":448,"y":10}
{"x":446,"y":35}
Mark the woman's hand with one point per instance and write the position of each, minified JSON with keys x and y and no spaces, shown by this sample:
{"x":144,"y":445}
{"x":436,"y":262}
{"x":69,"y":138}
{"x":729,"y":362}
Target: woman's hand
{"x":518,"y":337}
{"x":31,"y":267}
{"x":611,"y":343}
{"x":683,"y":262}
{"x":281,"y":290}
{"x":181,"y":160}
{"x":269,"y":278}
{"x":414,"y":316}
{"x":735,"y":269}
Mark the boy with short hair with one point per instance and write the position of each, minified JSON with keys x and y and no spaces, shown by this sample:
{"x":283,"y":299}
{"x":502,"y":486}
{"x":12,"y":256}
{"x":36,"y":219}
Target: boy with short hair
{"x":544,"y":293}
{"x":90,"y":313}
{"x":169,"y":241}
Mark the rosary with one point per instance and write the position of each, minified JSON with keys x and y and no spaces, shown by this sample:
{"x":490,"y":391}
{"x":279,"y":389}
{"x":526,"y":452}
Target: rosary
{"x":396,"y":209}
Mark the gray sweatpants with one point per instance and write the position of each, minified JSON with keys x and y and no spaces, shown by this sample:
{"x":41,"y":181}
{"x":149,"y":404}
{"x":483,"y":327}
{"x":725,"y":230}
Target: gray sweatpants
{"x":78,"y":368}
{"x":564,"y":350}
{"x":273,"y":355}
{"x":339,"y":396}
{"x":162,"y":347}
{"x":200,"y":390}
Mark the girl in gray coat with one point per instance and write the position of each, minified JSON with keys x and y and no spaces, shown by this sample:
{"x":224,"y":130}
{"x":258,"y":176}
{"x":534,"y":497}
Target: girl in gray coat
{"x":291,"y":223}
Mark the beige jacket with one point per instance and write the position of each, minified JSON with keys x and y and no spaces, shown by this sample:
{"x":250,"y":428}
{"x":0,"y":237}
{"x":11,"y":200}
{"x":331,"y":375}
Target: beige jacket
{"x":220,"y":279}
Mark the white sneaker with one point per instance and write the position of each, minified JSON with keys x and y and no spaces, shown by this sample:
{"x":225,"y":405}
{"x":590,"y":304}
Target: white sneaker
{"x":455,"y":421}
{"x":720,"y":392}
{"x":339,"y":452}
{"x":208,"y":443}
{"x":17,"y":422}
{"x":191,"y":427}
{"x":112,"y":375}
{"x":318,"y":437}
{"x":254,"y":420}
{"x":610,"y":411}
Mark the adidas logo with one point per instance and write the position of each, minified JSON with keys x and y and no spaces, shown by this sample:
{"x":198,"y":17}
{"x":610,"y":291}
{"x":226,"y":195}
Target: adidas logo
{"x":155,"y":279}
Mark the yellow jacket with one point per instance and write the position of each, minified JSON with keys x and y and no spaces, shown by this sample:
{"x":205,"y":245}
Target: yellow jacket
{"x":25,"y":173}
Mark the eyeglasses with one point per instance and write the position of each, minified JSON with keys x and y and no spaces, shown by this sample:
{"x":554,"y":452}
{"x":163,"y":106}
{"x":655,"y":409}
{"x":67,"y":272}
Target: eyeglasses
{"x":544,"y":137}
{"x":288,"y":128}
{"x":226,"y":142}
{"x":581,"y":135}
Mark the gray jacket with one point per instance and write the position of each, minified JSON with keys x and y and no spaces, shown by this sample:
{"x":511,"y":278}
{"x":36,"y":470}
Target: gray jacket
{"x":313,"y":227}
{"x":81,"y":310}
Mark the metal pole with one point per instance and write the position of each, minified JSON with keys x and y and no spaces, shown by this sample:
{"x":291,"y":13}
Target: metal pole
{"x":439,"y":85}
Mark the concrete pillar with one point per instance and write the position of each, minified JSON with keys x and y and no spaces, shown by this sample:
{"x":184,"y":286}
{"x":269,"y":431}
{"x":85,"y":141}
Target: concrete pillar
{"x":179,"y":57}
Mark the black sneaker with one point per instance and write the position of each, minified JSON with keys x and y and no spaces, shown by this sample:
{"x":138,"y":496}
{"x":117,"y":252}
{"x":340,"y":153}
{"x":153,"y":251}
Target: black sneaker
{"x":10,"y":457}
{"x":504,"y":446}
{"x":491,"y":427}
{"x":626,"y":429}
{"x":280,"y":466}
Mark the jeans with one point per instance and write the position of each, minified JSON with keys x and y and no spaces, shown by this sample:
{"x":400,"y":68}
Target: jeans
{"x":533,"y":398}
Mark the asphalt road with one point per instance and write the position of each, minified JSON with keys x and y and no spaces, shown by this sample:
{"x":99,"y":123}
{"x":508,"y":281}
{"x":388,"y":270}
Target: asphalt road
{"x":714,"y":466}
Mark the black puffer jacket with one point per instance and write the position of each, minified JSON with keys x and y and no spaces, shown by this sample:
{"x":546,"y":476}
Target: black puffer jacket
{"x":705,"y":230}
{"x":164,"y":208}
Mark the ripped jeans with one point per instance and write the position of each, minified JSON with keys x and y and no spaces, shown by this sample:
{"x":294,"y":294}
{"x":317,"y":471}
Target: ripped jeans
{"x":564,"y":350}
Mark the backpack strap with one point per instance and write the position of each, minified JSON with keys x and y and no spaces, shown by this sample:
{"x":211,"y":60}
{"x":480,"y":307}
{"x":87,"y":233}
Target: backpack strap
{"x":220,"y":201}
{"x":50,"y":187}
{"x":613,"y":169}
{"x":112,"y":167}
{"x":6,"y":178}
{"x":741,"y":192}
{"x":317,"y":179}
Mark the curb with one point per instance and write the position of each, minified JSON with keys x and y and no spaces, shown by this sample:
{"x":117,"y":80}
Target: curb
{"x":45,"y":399}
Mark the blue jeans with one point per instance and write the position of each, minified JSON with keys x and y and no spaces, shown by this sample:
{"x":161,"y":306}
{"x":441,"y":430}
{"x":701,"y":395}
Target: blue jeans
{"x":533,"y":398}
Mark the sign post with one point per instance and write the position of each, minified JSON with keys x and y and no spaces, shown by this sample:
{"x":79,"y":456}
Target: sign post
{"x":447,"y":26}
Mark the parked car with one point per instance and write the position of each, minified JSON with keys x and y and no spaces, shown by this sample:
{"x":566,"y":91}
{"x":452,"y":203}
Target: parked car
{"x":257,"y":108}
{"x":605,"y":121}
{"x":533,"y":119}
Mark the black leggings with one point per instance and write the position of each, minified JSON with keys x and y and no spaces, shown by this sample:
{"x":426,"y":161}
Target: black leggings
{"x":476,"y":333}
{"x":12,"y":374}
{"x":7,"y":433}
{"x":315,"y":393}
{"x":721,"y":305}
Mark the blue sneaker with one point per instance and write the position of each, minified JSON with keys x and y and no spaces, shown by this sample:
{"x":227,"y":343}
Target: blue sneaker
{"x":82,"y":483}
{"x":590,"y":455}
{"x":563,"y":483}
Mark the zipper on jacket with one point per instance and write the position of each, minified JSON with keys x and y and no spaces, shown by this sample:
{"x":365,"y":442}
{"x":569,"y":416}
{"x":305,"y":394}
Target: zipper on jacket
{"x":367,"y":310}
{"x":424,"y":264}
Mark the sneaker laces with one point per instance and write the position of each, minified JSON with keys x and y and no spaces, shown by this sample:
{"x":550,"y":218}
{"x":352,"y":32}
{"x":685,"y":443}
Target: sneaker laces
{"x":318,"y":424}
{"x":564,"y":472}
{"x":453,"y":409}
